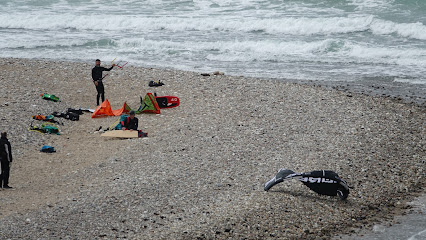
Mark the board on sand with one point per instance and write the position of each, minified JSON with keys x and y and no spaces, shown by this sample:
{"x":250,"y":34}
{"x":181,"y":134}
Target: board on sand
{"x":121,"y":134}
{"x":167,"y":101}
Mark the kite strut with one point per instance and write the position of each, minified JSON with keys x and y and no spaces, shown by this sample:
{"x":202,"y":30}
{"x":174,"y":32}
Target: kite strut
{"x":122,"y":65}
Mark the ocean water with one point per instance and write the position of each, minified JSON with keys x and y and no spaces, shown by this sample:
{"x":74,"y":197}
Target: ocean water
{"x":381,"y":42}
{"x":411,"y":226}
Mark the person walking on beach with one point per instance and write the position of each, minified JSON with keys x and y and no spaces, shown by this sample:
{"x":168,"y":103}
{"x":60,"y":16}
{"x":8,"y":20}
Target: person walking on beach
{"x":5,"y":160}
{"x":131,"y":122}
{"x":97,"y":79}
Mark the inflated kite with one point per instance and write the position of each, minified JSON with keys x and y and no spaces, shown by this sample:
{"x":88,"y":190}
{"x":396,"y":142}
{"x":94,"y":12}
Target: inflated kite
{"x":323,"y":182}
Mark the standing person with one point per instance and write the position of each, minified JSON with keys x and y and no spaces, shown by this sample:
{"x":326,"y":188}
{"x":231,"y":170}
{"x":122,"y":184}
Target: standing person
{"x":131,"y":122}
{"x":97,"y":79}
{"x":5,"y":160}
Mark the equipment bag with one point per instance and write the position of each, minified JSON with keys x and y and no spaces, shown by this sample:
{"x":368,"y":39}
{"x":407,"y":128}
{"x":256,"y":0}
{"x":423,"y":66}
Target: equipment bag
{"x":47,"y":149}
{"x":50,"y":129}
{"x":72,"y":116}
{"x":39,"y":117}
{"x":155,"y":83}
{"x":76,"y":111}
{"x":50,"y":97}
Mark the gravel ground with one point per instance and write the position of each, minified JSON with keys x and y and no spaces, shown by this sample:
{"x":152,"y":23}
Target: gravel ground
{"x":200,"y":173}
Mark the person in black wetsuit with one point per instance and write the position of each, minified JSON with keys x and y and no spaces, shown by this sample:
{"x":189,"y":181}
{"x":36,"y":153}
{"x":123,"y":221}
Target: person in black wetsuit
{"x":97,"y":79}
{"x":5,"y":160}
{"x":131,"y":122}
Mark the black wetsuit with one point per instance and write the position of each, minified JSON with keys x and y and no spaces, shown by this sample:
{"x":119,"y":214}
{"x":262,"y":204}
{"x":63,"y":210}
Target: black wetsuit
{"x":129,"y":123}
{"x":97,"y":76}
{"x":5,"y":160}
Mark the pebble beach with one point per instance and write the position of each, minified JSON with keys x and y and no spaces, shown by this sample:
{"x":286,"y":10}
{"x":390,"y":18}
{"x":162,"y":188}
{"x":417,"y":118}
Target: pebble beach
{"x":200,"y":172}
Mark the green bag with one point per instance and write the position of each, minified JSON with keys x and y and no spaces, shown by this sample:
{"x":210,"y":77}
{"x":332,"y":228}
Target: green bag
{"x":50,"y":129}
{"x":49,"y":97}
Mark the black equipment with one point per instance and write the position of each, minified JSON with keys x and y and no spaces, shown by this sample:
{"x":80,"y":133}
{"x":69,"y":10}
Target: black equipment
{"x":323,"y":182}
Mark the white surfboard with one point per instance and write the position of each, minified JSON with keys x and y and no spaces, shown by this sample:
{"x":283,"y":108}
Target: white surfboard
{"x":121,"y":134}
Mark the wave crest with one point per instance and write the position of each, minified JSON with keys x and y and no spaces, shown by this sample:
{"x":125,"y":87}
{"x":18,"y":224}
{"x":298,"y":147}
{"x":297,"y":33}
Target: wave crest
{"x":270,"y":26}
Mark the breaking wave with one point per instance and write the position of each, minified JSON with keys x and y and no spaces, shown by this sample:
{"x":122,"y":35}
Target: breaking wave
{"x":140,"y":24}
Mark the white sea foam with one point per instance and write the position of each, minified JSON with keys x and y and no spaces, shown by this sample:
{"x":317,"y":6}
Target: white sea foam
{"x":418,"y":236}
{"x":410,"y":30}
{"x":286,"y":25}
{"x":410,"y":81}
{"x":374,"y":4}
{"x":315,"y":39}
{"x":269,"y":50}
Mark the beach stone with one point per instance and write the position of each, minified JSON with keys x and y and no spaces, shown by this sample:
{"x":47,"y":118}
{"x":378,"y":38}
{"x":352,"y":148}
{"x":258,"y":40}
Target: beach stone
{"x":202,"y":169}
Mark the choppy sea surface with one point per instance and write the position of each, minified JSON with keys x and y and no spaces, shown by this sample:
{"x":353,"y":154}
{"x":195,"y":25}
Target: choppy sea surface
{"x":372,"y":42}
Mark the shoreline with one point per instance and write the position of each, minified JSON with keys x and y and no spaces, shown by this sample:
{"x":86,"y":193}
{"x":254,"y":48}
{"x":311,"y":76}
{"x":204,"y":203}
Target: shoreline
{"x":257,"y":128}
{"x":397,"y":91}
{"x":409,"y":225}
{"x":404,"y":92}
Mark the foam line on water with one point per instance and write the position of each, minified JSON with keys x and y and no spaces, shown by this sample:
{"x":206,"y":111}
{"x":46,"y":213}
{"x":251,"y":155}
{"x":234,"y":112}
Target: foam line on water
{"x":419,"y":235}
{"x":286,"y":25}
{"x":271,"y":50}
{"x":366,"y":4}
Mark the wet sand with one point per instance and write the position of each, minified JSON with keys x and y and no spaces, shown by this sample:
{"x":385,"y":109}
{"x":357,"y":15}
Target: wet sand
{"x":411,"y":93}
{"x":411,"y":225}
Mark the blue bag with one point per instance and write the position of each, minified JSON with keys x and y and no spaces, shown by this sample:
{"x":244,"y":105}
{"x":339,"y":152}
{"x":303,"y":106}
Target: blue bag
{"x":48,"y":149}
